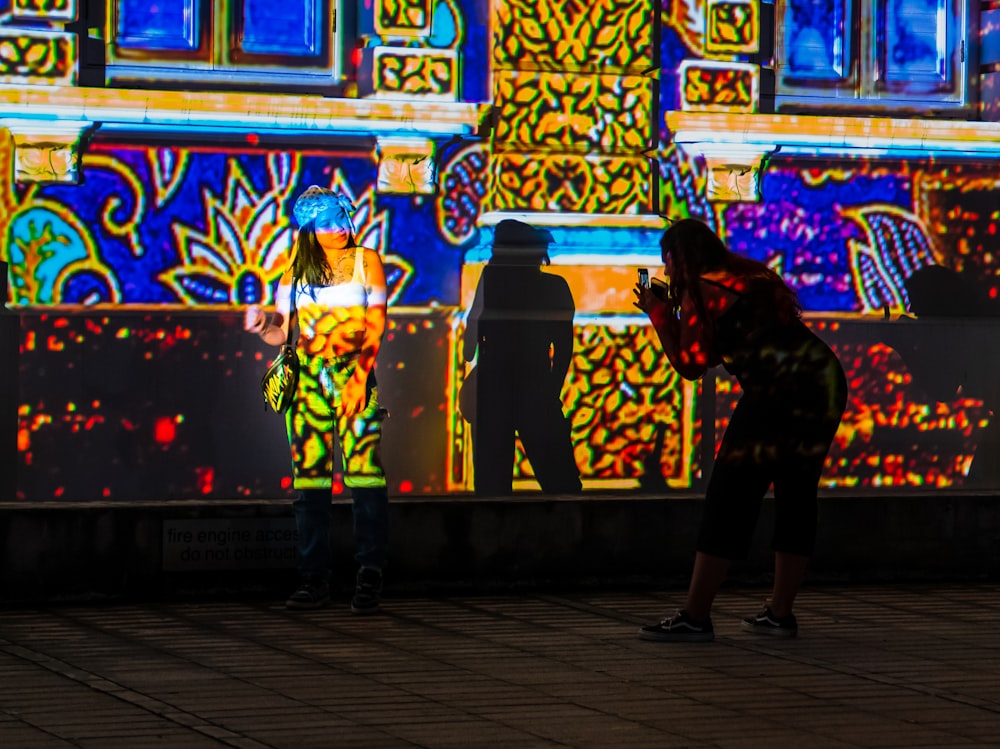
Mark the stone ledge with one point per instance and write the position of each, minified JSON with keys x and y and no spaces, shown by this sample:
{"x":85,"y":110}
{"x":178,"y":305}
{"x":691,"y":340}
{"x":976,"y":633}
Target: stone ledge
{"x":289,"y":114}
{"x":835,"y":134}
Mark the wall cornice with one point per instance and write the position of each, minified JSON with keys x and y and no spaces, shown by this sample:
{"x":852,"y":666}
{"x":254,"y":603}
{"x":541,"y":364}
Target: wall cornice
{"x":294,"y":115}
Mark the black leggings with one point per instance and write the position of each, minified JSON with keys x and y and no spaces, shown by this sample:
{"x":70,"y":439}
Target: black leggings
{"x":780,"y":436}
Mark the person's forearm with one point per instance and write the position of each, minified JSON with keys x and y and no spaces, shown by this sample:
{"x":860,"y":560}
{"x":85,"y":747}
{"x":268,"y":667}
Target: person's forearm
{"x":667,"y":329}
{"x":272,"y":335}
{"x":374,"y":332}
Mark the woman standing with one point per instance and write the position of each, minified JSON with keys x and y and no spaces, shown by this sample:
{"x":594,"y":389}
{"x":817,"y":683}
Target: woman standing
{"x":721,"y":308}
{"x":339,"y":292}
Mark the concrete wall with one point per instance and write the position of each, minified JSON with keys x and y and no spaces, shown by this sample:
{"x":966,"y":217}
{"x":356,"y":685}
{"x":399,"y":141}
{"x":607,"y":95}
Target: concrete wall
{"x":57,"y":551}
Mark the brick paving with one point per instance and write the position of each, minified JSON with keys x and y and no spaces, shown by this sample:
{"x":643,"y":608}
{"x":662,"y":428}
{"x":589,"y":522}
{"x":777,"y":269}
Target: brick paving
{"x":875,"y":666}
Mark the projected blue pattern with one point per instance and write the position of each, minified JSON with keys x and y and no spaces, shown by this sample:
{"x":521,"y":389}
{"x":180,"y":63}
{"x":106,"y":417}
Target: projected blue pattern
{"x":672,"y":52}
{"x":160,"y":25}
{"x":914,"y":34}
{"x":139,"y":211}
{"x":175,"y":26}
{"x":472,"y":33}
{"x":163,"y":226}
{"x":680,"y":38}
{"x":805,"y":230}
{"x":292,"y":32}
{"x":817,"y":38}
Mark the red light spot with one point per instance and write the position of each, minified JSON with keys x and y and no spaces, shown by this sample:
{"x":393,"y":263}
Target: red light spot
{"x":286,"y":482}
{"x":205,"y":477}
{"x":165,"y":430}
{"x":406,"y":487}
{"x":253,"y":139}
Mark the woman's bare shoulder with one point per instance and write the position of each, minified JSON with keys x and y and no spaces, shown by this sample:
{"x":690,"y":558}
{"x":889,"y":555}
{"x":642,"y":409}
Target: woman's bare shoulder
{"x":371,"y":258}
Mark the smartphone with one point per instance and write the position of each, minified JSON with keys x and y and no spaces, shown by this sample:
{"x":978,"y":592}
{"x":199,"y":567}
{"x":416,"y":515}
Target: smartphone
{"x":644,"y":277}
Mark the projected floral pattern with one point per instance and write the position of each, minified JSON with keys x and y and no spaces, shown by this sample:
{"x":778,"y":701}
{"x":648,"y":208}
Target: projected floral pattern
{"x":244,"y":250}
{"x":151,"y":227}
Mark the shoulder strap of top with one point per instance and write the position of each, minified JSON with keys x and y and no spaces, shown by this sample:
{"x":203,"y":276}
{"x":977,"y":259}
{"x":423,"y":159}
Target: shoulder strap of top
{"x":720,"y":285}
{"x":359,"y":265}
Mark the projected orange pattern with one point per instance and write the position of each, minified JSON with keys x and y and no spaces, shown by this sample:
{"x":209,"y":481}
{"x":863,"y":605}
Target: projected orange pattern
{"x":568,"y":34}
{"x":416,"y":72}
{"x":730,"y":88}
{"x":37,"y":58}
{"x":598,"y":112}
{"x":732,"y":27}
{"x":933,"y":443}
{"x":575,"y":184}
{"x":403,"y":15}
{"x":54,"y":9}
{"x":621,"y":398}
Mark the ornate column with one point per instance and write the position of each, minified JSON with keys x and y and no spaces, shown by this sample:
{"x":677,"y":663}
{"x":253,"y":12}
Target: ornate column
{"x":575,"y":116}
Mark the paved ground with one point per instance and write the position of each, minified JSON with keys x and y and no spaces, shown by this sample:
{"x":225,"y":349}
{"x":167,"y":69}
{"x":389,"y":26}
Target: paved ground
{"x":901,"y":666}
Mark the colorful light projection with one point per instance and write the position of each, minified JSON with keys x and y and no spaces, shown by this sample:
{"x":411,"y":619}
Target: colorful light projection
{"x":174,"y":227}
{"x":133,"y":406}
{"x":579,"y":140}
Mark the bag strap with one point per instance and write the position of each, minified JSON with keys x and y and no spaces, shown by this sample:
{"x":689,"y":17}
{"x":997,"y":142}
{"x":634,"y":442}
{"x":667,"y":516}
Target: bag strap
{"x":293,"y":320}
{"x":359,"y":266}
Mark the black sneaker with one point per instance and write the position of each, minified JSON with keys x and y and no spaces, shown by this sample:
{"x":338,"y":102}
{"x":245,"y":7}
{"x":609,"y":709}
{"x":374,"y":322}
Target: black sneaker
{"x":311,"y":594}
{"x":679,"y":628}
{"x":766,"y":623}
{"x":368,"y":593}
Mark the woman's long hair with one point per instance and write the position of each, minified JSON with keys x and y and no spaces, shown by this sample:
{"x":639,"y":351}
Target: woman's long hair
{"x":309,"y":263}
{"x":694,"y":249}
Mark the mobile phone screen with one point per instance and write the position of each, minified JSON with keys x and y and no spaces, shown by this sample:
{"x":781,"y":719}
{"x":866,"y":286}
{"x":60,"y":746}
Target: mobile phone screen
{"x":644,"y":277}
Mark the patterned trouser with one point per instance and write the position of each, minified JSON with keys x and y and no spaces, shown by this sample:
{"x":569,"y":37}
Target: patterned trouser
{"x":312,"y":424}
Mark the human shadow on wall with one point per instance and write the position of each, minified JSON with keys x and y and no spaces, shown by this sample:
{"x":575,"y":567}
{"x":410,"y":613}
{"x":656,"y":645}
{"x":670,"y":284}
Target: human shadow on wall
{"x":949,"y":345}
{"x":520,"y":332}
{"x":651,"y":480}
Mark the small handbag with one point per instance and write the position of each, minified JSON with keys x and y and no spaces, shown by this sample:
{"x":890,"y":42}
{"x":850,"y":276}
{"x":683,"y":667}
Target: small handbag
{"x":281,"y":378}
{"x":467,"y":395}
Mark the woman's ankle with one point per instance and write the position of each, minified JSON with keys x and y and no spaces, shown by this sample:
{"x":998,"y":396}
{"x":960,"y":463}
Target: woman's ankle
{"x":778,"y":609}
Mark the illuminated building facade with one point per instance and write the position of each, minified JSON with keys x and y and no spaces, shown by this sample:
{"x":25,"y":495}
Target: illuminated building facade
{"x":153,"y":151}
